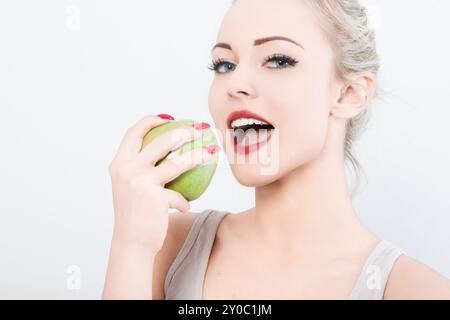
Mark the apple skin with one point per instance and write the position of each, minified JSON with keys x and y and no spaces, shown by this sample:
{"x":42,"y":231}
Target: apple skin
{"x":192,"y":183}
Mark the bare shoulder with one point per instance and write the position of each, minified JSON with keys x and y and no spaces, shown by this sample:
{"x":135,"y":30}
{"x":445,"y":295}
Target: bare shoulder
{"x":177,"y":231}
{"x":411,"y":279}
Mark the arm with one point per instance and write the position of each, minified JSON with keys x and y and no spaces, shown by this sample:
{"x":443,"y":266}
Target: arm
{"x":129,"y":274}
{"x":413,"y":280}
{"x":131,"y":268}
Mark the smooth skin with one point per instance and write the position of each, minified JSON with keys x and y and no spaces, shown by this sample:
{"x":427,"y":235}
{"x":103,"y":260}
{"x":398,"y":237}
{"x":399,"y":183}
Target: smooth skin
{"x":302,"y":239}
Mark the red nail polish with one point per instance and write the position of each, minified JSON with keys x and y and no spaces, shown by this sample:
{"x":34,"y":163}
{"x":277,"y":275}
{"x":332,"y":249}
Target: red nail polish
{"x":165,"y":116}
{"x":213,"y":149}
{"x":200,"y":125}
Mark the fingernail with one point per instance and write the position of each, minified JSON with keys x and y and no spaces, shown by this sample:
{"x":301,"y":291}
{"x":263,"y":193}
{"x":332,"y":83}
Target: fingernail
{"x":213,"y":149}
{"x":165,"y":116}
{"x":200,"y":125}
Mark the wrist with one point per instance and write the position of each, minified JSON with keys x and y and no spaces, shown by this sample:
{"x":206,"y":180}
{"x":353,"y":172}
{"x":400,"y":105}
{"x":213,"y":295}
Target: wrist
{"x":120,"y":243}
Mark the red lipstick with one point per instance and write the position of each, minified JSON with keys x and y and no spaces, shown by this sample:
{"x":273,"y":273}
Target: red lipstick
{"x":243,"y":114}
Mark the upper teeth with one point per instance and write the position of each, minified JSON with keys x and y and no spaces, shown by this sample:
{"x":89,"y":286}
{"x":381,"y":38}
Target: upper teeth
{"x":245,"y":122}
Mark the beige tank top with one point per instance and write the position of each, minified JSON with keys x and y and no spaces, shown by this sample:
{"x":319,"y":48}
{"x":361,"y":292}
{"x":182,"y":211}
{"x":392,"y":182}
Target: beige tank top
{"x":185,"y":277}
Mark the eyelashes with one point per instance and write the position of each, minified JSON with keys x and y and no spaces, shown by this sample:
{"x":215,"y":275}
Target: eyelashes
{"x":216,"y":64}
{"x":286,"y":60}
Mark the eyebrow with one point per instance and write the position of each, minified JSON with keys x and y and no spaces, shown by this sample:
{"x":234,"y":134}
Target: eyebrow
{"x":258,"y":42}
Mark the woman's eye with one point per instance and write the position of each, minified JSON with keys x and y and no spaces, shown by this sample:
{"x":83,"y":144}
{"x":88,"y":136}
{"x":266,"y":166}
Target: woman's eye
{"x":218,"y":64}
{"x":280,"y":62}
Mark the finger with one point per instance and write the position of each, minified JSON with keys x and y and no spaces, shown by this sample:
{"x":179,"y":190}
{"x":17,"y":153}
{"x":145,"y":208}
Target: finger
{"x":172,"y":168}
{"x":177,"y":201}
{"x":166,"y":142}
{"x":132,"y":142}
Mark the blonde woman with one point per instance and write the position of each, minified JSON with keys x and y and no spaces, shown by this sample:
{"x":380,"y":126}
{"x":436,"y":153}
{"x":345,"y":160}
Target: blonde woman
{"x":306,"y":69}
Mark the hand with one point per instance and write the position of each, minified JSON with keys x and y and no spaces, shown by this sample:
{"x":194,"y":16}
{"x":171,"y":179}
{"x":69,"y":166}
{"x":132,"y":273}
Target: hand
{"x":141,"y":202}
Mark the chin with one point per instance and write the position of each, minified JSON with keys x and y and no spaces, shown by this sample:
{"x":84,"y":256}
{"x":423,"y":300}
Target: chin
{"x":254,"y":175}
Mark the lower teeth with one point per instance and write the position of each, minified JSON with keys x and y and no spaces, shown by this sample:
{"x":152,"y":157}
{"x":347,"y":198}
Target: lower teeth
{"x":251,"y":136}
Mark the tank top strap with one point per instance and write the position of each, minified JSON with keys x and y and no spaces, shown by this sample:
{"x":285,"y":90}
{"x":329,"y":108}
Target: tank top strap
{"x":184,"y":279}
{"x":373,"y":278}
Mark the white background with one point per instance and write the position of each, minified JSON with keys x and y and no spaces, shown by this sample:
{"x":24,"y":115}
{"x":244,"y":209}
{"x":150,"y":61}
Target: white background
{"x":68,"y":92}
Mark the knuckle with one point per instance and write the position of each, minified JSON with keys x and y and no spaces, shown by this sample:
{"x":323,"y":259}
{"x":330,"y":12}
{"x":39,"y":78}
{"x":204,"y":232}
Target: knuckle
{"x":122,"y":172}
{"x":130,"y":130}
{"x":149,"y":118}
{"x":173,"y":136}
{"x":197,"y":156}
{"x":185,"y":131}
{"x":185,"y":160}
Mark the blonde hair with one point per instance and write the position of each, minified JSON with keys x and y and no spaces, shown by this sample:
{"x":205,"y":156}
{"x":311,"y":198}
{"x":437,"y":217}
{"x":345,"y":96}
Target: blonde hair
{"x":347,"y":28}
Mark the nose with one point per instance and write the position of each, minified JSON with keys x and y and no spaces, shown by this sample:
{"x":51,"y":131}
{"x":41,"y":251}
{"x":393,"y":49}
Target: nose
{"x":241,"y":91}
{"x":240,"y":84}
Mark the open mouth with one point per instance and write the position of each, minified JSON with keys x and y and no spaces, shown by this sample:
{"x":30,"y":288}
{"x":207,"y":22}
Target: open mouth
{"x":249,"y":137}
{"x":252,"y":133}
{"x":249,"y":130}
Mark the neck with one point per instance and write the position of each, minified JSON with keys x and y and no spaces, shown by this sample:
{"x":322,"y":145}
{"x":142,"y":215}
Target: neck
{"x":309,"y":208}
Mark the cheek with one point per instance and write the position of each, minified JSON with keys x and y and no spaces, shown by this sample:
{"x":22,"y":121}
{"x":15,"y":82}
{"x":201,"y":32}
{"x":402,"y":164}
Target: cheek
{"x":303,"y":140}
{"x":302,"y":115}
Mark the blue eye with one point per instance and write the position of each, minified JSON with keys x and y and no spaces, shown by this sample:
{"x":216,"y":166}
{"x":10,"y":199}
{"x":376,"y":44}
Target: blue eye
{"x":216,"y":64}
{"x":285,"y":62}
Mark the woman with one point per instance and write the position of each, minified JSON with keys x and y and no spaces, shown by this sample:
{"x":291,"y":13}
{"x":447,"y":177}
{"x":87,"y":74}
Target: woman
{"x":308,"y":69}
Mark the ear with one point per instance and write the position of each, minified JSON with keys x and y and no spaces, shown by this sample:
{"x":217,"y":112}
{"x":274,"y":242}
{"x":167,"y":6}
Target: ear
{"x":351,"y":98}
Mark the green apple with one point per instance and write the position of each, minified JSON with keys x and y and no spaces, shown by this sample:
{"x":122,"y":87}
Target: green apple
{"x":192,"y":183}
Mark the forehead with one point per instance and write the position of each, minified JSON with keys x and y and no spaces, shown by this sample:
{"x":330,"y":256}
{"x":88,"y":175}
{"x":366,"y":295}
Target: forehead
{"x":248,"y":20}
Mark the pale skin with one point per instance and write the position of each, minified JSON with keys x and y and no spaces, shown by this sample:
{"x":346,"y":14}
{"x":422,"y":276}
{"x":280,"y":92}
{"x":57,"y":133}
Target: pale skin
{"x":303,"y":230}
